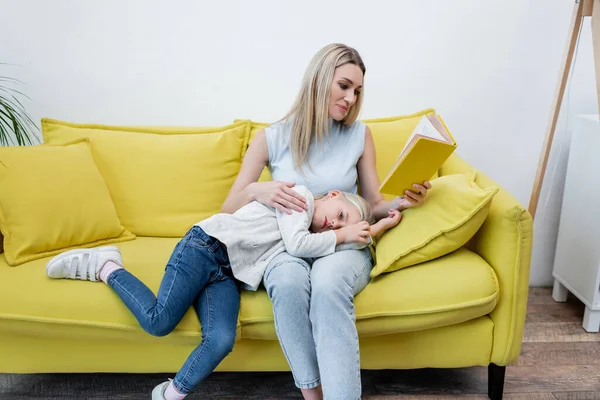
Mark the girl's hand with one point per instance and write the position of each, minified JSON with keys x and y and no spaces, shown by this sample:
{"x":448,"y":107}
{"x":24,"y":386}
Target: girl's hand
{"x":278,"y":195}
{"x":411,"y":199}
{"x":353,"y":233}
{"x":393,"y":219}
{"x":379,"y":227}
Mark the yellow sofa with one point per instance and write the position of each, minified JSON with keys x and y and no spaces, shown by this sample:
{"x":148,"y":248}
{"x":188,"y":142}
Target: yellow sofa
{"x":464,"y":309}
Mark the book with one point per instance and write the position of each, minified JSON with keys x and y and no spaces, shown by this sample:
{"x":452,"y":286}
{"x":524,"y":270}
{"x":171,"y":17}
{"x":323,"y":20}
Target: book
{"x":429,"y":145}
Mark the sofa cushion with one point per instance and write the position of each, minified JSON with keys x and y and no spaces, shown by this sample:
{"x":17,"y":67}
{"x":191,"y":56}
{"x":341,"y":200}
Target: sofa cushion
{"x":33,"y":304}
{"x":162,"y":180}
{"x":449,"y":290}
{"x":454,"y":210}
{"x":53,"y":198}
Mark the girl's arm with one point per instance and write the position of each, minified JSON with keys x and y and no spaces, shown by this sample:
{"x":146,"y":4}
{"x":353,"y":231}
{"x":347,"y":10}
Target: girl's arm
{"x":245,"y":189}
{"x":393,"y":219}
{"x":369,"y":184}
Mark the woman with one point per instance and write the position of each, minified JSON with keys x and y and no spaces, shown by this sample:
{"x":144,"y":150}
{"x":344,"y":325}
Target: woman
{"x":319,"y":144}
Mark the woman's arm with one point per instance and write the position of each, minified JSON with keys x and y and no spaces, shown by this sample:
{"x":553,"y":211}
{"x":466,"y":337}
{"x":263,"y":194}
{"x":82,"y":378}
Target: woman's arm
{"x":246,"y":188}
{"x":369,"y":184}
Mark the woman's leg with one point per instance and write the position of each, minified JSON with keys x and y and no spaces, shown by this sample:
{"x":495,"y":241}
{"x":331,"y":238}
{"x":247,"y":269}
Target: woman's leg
{"x":192,"y":265}
{"x":287,"y":280}
{"x":217,"y":306}
{"x":335,"y":280}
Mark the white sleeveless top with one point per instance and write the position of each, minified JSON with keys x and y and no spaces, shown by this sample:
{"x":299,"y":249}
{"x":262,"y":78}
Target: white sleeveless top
{"x":332,"y":162}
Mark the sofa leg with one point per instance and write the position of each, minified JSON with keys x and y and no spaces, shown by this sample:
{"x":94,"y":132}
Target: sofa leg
{"x":495,"y":381}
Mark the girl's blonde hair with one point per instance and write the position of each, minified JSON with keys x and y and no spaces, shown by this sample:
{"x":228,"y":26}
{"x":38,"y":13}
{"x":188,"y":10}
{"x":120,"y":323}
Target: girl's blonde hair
{"x":365,"y":210}
{"x":309,"y":114}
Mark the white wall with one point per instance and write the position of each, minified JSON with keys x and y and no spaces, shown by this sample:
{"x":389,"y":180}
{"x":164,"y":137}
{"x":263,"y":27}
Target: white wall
{"x":489,"y":68}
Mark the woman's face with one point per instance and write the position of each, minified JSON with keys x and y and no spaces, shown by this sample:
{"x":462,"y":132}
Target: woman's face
{"x":345,"y":87}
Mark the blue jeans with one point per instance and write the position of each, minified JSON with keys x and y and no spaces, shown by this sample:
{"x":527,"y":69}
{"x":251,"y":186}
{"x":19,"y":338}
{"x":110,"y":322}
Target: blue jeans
{"x":199,"y":274}
{"x":315,"y":320}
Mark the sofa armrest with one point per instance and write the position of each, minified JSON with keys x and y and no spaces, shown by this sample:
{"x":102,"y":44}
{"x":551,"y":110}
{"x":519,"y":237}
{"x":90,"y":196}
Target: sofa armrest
{"x":504,"y":241}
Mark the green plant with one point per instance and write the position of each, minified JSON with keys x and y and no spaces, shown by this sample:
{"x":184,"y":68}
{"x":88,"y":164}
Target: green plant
{"x":16,"y":127}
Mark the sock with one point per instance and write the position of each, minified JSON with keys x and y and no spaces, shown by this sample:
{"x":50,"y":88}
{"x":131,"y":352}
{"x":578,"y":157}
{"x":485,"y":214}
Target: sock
{"x":172,"y":394}
{"x":108,"y":268}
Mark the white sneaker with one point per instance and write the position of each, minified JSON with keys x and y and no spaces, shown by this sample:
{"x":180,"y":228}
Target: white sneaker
{"x":84,"y":264}
{"x":158,"y":393}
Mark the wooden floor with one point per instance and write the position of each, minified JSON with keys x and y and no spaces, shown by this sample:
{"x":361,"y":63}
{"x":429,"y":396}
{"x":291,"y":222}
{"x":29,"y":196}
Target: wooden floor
{"x":559,"y":361}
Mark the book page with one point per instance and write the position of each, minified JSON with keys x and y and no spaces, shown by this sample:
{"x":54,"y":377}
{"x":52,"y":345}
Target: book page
{"x":424,"y":129}
{"x":439,"y":126}
{"x":428,"y":130}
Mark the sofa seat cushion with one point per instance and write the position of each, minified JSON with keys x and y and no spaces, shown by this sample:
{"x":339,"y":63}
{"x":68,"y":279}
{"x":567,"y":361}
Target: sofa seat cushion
{"x":455,"y":288}
{"x":449,"y":290}
{"x":33,"y":304}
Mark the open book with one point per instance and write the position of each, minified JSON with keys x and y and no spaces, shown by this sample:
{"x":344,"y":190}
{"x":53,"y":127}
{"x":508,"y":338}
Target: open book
{"x":429,"y":145}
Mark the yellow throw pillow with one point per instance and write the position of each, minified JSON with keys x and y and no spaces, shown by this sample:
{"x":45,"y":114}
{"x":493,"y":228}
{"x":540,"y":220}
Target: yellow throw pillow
{"x":162,"y":180}
{"x":454,"y":210}
{"x":53,"y":198}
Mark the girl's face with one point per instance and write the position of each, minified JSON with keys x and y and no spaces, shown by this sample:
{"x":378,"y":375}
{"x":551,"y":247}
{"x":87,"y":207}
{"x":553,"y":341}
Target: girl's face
{"x":333,"y":212}
{"x":345,"y":87}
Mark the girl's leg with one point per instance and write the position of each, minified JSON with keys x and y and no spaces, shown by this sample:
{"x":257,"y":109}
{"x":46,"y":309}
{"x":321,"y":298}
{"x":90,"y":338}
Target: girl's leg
{"x":335,"y":280}
{"x":288,"y":285}
{"x":217,"y":307}
{"x":194,"y":262}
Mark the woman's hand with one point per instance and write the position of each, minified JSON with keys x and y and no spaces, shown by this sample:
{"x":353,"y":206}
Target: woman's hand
{"x":411,"y":199}
{"x":278,"y":195}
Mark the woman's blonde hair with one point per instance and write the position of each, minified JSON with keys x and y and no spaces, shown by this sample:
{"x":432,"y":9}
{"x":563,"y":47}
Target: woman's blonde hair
{"x":365,"y":210}
{"x":310,"y":113}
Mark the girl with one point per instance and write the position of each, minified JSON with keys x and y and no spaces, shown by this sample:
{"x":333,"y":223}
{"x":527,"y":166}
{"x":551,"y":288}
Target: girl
{"x":320,"y":144}
{"x":207,"y":264}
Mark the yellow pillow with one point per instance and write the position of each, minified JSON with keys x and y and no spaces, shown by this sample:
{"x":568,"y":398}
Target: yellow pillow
{"x":454,"y":210}
{"x":162,"y":180}
{"x":53,"y":198}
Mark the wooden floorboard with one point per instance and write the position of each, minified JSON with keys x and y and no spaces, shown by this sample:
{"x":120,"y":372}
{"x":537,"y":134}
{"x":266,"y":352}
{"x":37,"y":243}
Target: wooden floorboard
{"x":558,"y":332}
{"x":577,"y":395}
{"x":560,"y":353}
